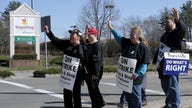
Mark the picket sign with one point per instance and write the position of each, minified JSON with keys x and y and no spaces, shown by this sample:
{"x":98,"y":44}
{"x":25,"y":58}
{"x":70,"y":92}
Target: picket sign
{"x":69,"y":72}
{"x":176,"y":63}
{"x":126,"y":68}
{"x":162,"y":49}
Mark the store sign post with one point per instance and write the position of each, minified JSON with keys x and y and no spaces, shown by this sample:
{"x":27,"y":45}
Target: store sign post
{"x":24,"y":26}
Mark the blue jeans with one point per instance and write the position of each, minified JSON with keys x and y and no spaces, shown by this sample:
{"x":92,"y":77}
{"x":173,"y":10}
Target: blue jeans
{"x":143,"y":86}
{"x":171,"y":89}
{"x":134,"y":98}
{"x":123,"y":99}
{"x":144,"y":97}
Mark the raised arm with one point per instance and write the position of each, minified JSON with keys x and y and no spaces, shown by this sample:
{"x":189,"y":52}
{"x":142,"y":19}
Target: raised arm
{"x":59,"y":43}
{"x":117,"y":35}
{"x":181,"y":28}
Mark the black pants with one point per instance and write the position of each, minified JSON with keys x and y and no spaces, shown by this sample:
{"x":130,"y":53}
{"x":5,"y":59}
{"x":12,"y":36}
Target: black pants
{"x":72,"y":99}
{"x":94,"y":92}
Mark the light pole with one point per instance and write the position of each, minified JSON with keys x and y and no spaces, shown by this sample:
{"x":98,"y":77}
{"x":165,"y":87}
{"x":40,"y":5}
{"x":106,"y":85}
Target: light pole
{"x":31,"y":4}
{"x":110,"y":7}
{"x":190,"y":27}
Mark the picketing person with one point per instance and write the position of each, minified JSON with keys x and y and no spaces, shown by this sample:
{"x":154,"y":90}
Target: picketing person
{"x":172,"y":40}
{"x":71,"y":48}
{"x":136,"y":48}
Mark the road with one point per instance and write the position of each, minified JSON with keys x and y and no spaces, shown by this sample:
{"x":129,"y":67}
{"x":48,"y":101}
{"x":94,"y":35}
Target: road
{"x":24,"y":91}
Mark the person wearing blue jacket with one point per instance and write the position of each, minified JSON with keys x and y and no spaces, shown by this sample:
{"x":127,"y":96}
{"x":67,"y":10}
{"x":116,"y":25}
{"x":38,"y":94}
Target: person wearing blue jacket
{"x":136,"y":48}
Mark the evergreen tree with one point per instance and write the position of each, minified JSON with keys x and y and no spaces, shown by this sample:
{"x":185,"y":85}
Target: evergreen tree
{"x":163,"y":15}
{"x":186,"y":16}
{"x":4,"y":26}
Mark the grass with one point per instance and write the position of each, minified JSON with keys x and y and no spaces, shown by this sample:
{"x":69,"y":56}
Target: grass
{"x":113,"y":68}
{"x":4,"y":57}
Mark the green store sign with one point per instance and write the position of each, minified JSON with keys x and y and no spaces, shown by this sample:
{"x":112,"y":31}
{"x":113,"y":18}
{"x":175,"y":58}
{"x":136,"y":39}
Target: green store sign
{"x":24,"y":39}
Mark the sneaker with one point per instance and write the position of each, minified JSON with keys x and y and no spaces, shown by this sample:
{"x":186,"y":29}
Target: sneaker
{"x":120,"y":105}
{"x":144,"y":102}
{"x":103,"y":104}
{"x":100,"y":105}
{"x":164,"y":106}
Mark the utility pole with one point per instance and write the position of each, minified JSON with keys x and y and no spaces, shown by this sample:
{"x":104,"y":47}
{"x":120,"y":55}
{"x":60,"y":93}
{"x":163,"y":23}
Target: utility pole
{"x":110,"y":7}
{"x":31,"y":4}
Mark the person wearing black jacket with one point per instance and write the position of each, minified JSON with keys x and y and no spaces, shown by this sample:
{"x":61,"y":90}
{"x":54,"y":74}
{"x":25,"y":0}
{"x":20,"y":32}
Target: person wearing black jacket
{"x":172,"y":38}
{"x":94,"y":68}
{"x":73,"y":48}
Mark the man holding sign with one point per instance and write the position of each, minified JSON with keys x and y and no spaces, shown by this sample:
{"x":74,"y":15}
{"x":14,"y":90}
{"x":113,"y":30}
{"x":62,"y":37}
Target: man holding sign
{"x":132,"y":65}
{"x":171,"y":42}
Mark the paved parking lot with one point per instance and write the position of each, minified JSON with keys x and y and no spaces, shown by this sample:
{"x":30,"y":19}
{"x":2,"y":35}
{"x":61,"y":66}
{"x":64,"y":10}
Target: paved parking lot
{"x":25,"y":91}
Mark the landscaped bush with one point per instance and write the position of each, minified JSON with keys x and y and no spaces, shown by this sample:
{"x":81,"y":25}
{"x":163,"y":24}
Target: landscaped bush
{"x":110,"y":69}
{"x":4,"y":60}
{"x":151,"y":67}
{"x":6,"y":73}
{"x":39,"y":74}
{"x":4,"y":63}
{"x":24,"y":57}
{"x":52,"y":71}
{"x":43,"y":72}
{"x":56,"y":61}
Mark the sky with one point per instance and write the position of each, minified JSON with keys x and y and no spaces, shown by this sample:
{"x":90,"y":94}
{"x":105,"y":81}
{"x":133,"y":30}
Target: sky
{"x":64,"y":13}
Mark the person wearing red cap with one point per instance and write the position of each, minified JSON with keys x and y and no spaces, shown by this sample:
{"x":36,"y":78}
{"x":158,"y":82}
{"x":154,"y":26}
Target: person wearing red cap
{"x":94,"y":68}
{"x":72,"y":48}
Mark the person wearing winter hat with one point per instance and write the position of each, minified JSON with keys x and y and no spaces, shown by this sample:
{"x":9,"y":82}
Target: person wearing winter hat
{"x":71,"y":48}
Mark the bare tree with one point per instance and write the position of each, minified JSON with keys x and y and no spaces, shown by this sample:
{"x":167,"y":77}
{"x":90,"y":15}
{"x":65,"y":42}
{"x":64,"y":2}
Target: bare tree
{"x":128,"y":23}
{"x":153,"y":31}
{"x":96,"y":14}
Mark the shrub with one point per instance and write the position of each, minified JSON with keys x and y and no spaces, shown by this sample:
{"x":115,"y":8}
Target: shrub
{"x":24,"y":57}
{"x":4,"y":60}
{"x":39,"y":74}
{"x":43,"y":72}
{"x":52,"y":71}
{"x":57,"y":61}
{"x":151,"y":67}
{"x":6,"y":73}
{"x":110,"y":69}
{"x":4,"y":63}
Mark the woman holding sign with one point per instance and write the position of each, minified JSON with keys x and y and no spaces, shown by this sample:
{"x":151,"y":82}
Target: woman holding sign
{"x":72,"y":66}
{"x":133,"y":49}
{"x":170,"y":42}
